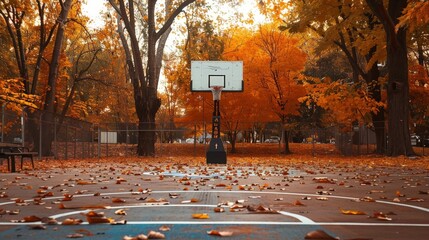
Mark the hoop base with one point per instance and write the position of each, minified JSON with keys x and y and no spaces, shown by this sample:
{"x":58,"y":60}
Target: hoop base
{"x":216,"y":153}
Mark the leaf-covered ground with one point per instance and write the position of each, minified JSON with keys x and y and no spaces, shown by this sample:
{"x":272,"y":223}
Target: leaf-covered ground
{"x":259,"y":194}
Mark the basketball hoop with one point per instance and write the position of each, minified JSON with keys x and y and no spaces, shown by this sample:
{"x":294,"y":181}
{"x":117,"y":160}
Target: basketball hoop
{"x":216,"y":90}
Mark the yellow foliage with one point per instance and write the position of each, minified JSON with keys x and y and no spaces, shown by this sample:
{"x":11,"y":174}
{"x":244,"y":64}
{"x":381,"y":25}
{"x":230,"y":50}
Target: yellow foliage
{"x":345,"y":103}
{"x":12,"y":91}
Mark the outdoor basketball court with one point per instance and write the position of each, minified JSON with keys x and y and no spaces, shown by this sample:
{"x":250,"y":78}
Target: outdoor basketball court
{"x":257,"y":201}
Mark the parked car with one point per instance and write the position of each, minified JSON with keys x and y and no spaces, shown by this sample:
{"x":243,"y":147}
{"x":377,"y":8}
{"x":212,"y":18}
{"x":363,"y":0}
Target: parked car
{"x":415,"y":140}
{"x":190,"y":140}
{"x":419,"y":141}
{"x":272,"y":139}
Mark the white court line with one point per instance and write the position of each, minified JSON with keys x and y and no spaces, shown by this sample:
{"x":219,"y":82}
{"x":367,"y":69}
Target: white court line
{"x":242,"y":192}
{"x":303,"y":220}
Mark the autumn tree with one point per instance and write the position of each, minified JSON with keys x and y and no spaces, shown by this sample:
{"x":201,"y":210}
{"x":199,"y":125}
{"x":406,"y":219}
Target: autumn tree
{"x":14,"y":13}
{"x":398,"y":108}
{"x":245,"y":111}
{"x":397,"y":86}
{"x":355,"y":32}
{"x":144,"y":60}
{"x":56,"y":59}
{"x":416,"y":18}
{"x":276,"y":64}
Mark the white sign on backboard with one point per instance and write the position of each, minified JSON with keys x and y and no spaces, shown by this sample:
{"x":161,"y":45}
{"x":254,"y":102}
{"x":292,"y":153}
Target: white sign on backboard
{"x":227,"y":74}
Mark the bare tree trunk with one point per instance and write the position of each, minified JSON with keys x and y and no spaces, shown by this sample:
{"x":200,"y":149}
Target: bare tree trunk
{"x":49,"y":105}
{"x":232,"y":135}
{"x":145,"y":84}
{"x":378,"y":118}
{"x":398,"y":89}
{"x":286,"y":149}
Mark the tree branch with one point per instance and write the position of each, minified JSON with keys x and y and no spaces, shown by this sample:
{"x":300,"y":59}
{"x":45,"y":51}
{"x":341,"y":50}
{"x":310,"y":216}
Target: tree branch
{"x":171,"y":18}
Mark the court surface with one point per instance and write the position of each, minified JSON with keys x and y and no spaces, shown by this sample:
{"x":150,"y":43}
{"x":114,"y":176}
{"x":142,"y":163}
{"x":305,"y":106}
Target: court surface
{"x":186,"y":201}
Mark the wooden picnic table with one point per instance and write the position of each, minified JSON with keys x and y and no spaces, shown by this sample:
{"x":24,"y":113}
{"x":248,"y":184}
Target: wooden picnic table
{"x":10,"y":150}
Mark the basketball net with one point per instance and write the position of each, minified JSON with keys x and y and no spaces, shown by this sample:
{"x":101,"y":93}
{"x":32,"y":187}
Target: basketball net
{"x":216,"y":90}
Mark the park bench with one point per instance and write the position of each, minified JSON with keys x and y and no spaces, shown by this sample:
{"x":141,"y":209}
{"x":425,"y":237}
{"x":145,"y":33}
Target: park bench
{"x":10,"y":151}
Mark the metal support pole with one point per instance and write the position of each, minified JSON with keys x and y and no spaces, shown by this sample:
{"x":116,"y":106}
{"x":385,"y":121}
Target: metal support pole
{"x":23,"y":127}
{"x":67,"y":142}
{"x":3,"y":107}
{"x":99,"y":142}
{"x":40,"y":135}
{"x":74,"y":143}
{"x":204,"y":124}
{"x":127,"y":140}
{"x":216,"y":153}
{"x":107,"y":143}
{"x":55,"y":139}
{"x":195,"y":139}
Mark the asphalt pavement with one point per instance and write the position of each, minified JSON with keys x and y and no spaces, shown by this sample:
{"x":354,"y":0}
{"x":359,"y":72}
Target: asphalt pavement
{"x":178,"y":200}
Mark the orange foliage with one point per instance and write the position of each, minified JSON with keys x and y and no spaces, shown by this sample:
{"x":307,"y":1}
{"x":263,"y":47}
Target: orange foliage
{"x":345,"y":103}
{"x":419,"y":93}
{"x":416,"y":14}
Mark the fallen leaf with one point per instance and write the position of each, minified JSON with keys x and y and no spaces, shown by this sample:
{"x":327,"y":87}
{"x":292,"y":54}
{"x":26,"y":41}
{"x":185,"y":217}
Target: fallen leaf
{"x":94,"y":218}
{"x":352,"y":212}
{"x":94,"y":214}
{"x":164,"y":228}
{"x":319,"y":235}
{"x":32,"y":219}
{"x":81,"y":182}
{"x":173,"y":195}
{"x":118,"y":200}
{"x":19,"y":200}
{"x":261,"y":209}
{"x":75,"y":235}
{"x":138,"y":237}
{"x":323,"y":180}
{"x":367,"y":199}
{"x":220,"y":233}
{"x":219,"y":209}
{"x":415,"y":199}
{"x":200,"y":216}
{"x":13,"y":212}
{"x":399,"y":194}
{"x":254,"y":197}
{"x":155,"y":235}
{"x":71,"y":221}
{"x":381,"y":216}
{"x":120,"y":212}
{"x":121,"y":222}
{"x":67,"y":197}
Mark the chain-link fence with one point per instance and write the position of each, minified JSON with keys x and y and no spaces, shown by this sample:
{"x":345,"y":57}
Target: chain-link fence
{"x":65,"y":138}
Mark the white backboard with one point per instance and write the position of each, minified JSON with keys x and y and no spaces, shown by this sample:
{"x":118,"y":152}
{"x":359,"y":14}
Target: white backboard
{"x":228,"y":74}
